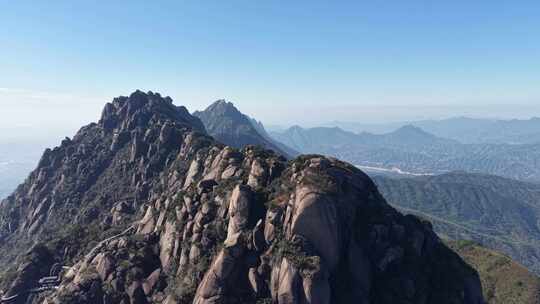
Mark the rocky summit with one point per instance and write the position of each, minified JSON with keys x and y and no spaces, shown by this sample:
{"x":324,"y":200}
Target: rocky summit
{"x":228,"y":125}
{"x":145,"y":207}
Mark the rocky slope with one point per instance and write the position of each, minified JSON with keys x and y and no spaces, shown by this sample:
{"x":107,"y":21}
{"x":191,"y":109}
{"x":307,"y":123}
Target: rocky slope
{"x":503,"y":280}
{"x":144,"y":207}
{"x":499,"y":213}
{"x":228,"y":125}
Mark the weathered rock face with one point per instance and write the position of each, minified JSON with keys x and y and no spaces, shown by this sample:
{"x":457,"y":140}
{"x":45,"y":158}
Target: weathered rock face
{"x":92,"y":186}
{"x":329,"y":237}
{"x":212,"y":224}
{"x":126,"y":269}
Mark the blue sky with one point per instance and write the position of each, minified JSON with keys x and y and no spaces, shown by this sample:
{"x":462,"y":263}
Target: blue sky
{"x":349,"y":60}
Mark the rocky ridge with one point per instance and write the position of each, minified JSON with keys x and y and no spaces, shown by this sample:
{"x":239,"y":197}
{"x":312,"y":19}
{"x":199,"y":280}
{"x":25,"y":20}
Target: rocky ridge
{"x":230,"y":126}
{"x":158,"y":212}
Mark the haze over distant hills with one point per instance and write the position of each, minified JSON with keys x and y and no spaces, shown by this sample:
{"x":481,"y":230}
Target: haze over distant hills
{"x":462,"y":129}
{"x":315,"y":139}
{"x":412,"y":149}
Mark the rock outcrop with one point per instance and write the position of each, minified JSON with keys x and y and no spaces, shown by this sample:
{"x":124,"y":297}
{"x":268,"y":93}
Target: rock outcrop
{"x":146,"y":208}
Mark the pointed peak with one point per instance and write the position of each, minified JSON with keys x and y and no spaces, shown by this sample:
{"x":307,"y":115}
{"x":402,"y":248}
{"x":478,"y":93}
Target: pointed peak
{"x":221,"y":104}
{"x":221,"y":108}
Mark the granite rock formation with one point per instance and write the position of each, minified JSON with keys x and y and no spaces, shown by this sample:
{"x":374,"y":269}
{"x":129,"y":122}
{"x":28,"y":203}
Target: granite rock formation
{"x":145,"y":207}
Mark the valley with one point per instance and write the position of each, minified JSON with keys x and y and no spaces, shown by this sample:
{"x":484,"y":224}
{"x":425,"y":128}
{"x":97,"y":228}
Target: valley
{"x":411,"y":149}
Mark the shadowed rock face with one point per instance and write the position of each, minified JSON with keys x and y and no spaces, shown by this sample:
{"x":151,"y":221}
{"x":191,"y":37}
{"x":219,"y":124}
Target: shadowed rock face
{"x":213,"y":224}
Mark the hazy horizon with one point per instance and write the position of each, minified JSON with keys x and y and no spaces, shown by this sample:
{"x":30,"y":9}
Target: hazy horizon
{"x":371,"y":62}
{"x":43,"y":113}
{"x":36,"y":114}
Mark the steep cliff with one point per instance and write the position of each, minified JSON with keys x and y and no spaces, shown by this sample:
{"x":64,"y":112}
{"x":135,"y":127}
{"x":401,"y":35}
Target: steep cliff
{"x":144,"y":207}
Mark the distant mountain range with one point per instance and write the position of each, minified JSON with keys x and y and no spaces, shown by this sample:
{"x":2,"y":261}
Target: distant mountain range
{"x":462,"y":129}
{"x":500,"y":213}
{"x":411,"y":149}
{"x":315,"y":140}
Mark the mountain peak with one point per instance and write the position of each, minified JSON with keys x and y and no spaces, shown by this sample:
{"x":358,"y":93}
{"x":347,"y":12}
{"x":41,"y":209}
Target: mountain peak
{"x":140,"y":109}
{"x":223,"y":105}
{"x":222,"y":102}
{"x":411,"y":129}
{"x":227,"y":124}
